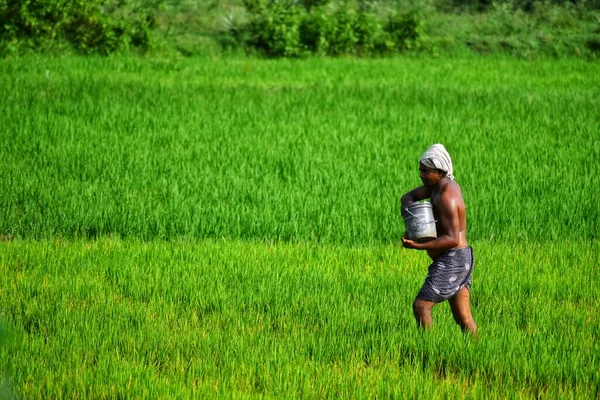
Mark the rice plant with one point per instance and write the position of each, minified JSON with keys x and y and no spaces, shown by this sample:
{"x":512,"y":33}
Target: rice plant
{"x":312,"y":150}
{"x":199,"y":228}
{"x":113,"y":318}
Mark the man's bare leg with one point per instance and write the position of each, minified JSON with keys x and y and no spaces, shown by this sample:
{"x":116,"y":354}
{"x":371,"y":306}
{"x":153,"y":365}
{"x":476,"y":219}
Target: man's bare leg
{"x":422,"y":311}
{"x":461,"y":310}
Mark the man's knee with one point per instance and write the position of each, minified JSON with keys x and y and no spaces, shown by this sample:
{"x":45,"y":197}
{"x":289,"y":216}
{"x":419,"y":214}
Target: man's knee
{"x":461,"y":310}
{"x":464,"y":320}
{"x":421,"y":308}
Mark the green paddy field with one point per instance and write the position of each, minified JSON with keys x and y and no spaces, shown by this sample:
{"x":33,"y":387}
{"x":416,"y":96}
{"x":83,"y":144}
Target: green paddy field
{"x":230,"y":227}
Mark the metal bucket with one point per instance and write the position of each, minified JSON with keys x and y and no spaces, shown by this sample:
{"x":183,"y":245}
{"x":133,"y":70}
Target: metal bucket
{"x":419,"y":221}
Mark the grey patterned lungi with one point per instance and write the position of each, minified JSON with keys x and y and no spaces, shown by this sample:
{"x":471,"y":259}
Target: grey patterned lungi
{"x":449,"y":272}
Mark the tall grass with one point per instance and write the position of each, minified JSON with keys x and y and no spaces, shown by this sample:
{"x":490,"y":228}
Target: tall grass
{"x":276,"y":187}
{"x":309,"y":150}
{"x":113,"y":318}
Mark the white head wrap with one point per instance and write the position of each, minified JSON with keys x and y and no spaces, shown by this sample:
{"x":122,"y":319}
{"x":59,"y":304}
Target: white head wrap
{"x":436,"y":157}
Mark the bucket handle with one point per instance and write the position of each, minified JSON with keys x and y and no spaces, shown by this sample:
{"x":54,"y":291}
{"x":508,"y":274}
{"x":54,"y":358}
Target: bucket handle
{"x":416,"y":216}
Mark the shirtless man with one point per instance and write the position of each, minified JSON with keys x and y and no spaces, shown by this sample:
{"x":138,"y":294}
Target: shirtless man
{"x":449,"y":276}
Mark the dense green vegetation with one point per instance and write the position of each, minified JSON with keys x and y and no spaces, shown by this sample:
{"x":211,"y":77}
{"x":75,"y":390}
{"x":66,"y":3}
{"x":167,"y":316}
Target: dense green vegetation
{"x":109,"y":319}
{"x":310,"y":150}
{"x":190,"y":228}
{"x":85,"y":26}
{"x":299,"y":28}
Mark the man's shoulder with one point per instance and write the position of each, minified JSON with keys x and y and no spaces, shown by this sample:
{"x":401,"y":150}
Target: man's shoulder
{"x":451,"y":190}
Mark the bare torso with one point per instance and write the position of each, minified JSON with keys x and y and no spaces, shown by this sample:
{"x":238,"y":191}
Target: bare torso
{"x":442,"y":210}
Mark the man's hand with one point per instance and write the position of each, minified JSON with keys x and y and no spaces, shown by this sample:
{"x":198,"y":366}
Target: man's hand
{"x":409,"y":244}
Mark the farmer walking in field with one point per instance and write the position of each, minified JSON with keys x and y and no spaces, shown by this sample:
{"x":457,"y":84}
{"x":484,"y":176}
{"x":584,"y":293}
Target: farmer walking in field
{"x":449,"y":276}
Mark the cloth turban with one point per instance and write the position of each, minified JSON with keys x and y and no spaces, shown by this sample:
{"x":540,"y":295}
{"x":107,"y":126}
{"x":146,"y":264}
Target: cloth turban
{"x":436,"y":157}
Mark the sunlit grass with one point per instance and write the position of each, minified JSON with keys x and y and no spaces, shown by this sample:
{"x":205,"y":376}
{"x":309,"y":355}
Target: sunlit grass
{"x":307,"y":150}
{"x":119,"y":317}
{"x":196,"y":228}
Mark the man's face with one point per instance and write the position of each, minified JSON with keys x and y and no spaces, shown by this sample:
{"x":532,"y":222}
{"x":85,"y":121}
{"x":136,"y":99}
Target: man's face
{"x":430,"y":177}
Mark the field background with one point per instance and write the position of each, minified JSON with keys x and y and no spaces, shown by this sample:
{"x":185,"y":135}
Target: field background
{"x":316,"y":149}
{"x":525,"y":29}
{"x":230,"y":227}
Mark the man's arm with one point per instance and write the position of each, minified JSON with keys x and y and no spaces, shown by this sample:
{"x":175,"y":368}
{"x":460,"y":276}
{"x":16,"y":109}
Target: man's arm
{"x":416,"y":194}
{"x":450,"y":222}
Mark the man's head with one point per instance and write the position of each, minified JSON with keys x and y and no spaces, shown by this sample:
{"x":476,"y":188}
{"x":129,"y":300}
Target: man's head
{"x":435,"y":164}
{"x":430,"y":176}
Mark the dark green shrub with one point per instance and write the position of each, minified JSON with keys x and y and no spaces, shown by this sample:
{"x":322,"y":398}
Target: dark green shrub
{"x":255,"y":6}
{"x":274,"y":28}
{"x":310,"y":5}
{"x":291,"y":28}
{"x":315,"y":31}
{"x":92,"y":26}
{"x":465,"y":5}
{"x":369,"y":33}
{"x":344,"y":32}
{"x":404,"y":30}
{"x":343,"y":38}
{"x":593,"y":44}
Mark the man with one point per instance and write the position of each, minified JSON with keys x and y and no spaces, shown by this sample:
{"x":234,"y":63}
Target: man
{"x":449,"y":276}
